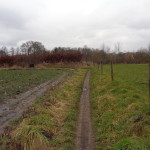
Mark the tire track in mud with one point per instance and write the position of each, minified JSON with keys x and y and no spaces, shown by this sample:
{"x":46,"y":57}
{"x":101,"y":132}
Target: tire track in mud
{"x":85,"y":139}
{"x":14,"y":108}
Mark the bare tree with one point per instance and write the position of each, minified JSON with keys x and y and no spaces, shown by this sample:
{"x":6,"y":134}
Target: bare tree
{"x":12,"y":51}
{"x":17,"y":51}
{"x":117,"y":50}
{"x":26,"y":47}
{"x":37,"y":48}
{"x":3,"y":51}
{"x":149,"y":50}
{"x":117,"y":47}
{"x":31,"y":47}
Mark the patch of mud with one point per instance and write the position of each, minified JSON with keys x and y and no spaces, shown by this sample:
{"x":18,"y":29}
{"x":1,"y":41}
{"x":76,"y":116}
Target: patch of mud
{"x":14,"y":108}
{"x":47,"y":135}
{"x":85,"y":139}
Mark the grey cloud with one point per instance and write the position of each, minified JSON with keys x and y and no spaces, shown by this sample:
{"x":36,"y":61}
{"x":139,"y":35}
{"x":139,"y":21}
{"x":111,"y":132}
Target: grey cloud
{"x":11,"y":19}
{"x":76,"y":23}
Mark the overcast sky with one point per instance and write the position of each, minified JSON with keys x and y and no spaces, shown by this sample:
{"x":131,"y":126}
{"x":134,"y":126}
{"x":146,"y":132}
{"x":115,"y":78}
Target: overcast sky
{"x":74,"y":23}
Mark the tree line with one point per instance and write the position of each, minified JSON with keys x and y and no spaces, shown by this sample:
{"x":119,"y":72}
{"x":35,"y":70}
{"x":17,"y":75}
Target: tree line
{"x":34,"y":52}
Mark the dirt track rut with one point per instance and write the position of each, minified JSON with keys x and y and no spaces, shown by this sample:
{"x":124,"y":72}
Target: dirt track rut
{"x":14,"y":108}
{"x":84,"y":139}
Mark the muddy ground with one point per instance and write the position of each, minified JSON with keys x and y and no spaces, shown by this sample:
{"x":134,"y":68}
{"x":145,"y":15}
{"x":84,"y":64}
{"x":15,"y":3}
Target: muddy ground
{"x":14,"y":108}
{"x":84,"y":139}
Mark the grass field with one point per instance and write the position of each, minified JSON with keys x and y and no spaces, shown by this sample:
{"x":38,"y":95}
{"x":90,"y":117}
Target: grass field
{"x":120,"y":109}
{"x":135,"y":76}
{"x":14,"y":82}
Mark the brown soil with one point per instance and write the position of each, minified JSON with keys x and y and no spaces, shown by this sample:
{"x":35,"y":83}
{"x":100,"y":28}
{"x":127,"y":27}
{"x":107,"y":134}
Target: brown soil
{"x":14,"y":108}
{"x":84,"y":139}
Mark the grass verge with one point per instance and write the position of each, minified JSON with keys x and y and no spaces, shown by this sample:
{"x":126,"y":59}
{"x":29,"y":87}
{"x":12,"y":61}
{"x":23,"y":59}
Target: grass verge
{"x":121,"y":113}
{"x":50,"y":123}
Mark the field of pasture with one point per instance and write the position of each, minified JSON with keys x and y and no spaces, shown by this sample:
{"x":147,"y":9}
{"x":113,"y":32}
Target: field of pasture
{"x":121,"y":108}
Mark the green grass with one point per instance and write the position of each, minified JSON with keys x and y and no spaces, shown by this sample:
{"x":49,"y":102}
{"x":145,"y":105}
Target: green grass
{"x":135,"y":76}
{"x":51,"y":122}
{"x":120,"y":109}
{"x":13,"y":82}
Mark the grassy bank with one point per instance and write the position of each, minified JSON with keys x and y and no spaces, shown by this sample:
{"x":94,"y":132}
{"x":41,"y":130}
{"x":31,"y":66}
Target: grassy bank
{"x":14,"y":82}
{"x":50,"y":123}
{"x":120,"y":109}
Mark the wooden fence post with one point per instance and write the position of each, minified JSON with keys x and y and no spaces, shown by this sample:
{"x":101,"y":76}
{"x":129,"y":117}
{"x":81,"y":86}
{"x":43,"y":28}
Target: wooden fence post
{"x":149,"y":80}
{"x":98,"y":67}
{"x":101,"y":67}
{"x":112,"y":71}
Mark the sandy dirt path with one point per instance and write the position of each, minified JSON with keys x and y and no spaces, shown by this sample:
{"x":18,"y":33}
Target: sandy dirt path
{"x":84,"y":139}
{"x":14,"y":108}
